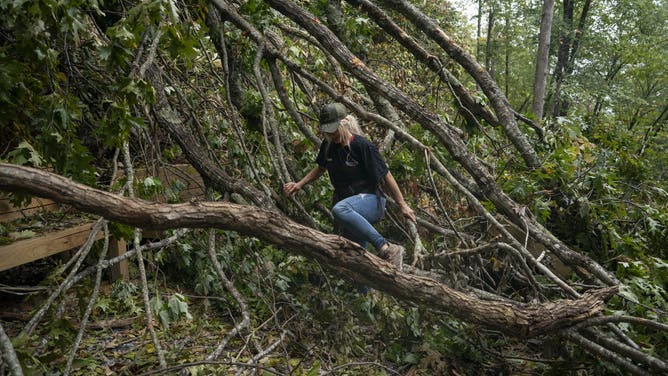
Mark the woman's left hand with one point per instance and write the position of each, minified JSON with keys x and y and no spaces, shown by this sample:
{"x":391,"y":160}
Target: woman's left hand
{"x":408,"y":212}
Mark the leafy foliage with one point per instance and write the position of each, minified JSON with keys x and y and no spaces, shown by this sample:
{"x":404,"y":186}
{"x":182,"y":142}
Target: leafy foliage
{"x":71,"y":93}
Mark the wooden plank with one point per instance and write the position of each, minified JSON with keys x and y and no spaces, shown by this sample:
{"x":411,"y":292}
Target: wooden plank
{"x":120,"y":270}
{"x":24,"y":251}
{"x":9,"y":212}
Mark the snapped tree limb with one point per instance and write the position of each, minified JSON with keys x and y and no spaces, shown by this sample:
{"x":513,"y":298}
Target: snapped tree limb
{"x":339,"y":254}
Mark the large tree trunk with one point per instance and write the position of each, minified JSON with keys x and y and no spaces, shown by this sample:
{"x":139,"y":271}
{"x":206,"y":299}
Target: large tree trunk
{"x":569,"y":42}
{"x":542,"y":59}
{"x":478,"y":34}
{"x":506,"y":38}
{"x":339,"y":254}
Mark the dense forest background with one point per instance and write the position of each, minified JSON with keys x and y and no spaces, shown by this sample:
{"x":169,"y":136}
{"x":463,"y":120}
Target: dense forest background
{"x":529,"y":137}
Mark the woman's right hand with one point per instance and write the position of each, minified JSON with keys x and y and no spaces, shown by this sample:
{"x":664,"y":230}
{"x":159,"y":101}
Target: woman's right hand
{"x":291,"y":188}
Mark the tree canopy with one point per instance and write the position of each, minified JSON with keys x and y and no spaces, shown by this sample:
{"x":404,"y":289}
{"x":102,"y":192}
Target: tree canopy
{"x":532,"y":228}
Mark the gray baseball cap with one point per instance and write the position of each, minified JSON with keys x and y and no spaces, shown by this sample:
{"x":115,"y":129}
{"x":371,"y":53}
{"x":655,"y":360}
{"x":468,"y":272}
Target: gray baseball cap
{"x":331,"y":116}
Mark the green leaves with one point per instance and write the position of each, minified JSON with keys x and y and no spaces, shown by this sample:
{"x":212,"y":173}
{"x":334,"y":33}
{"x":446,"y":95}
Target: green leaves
{"x":150,"y":187}
{"x":258,"y":12}
{"x":174,"y":309}
{"x":118,"y":120}
{"x":25,"y":154}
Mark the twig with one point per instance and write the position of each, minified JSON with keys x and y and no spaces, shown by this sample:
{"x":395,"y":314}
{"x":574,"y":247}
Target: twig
{"x":91,"y":301}
{"x":427,"y":159}
{"x":129,"y":173}
{"x":21,"y":290}
{"x":8,"y":353}
{"x":531,"y":123}
{"x":500,"y":245}
{"x":357,"y":364}
{"x":66,"y":284}
{"x":268,"y":118}
{"x":264,"y":353}
{"x":233,"y":291}
{"x":131,"y":253}
{"x":252,"y":333}
{"x":211,"y":362}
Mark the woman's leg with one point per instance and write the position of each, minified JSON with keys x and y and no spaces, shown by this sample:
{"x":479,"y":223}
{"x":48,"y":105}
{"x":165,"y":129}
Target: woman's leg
{"x":357,"y":214}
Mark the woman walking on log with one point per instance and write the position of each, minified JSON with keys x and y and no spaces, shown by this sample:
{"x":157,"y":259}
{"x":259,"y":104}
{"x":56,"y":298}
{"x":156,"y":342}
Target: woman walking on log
{"x":357,"y":172}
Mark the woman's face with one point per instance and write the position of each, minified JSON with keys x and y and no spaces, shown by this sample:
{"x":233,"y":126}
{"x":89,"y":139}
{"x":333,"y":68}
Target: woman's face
{"x":334,"y":137}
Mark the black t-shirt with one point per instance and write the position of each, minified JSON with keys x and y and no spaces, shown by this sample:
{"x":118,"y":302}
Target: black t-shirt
{"x":353,"y":169}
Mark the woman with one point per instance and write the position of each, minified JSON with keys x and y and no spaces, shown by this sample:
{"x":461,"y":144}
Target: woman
{"x":356,"y":171}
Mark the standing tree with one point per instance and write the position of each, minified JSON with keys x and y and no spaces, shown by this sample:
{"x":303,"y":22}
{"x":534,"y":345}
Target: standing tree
{"x":542,"y":59}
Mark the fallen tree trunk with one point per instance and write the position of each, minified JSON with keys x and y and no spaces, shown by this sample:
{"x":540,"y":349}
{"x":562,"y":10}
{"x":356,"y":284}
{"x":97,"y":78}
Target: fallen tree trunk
{"x":339,"y":254}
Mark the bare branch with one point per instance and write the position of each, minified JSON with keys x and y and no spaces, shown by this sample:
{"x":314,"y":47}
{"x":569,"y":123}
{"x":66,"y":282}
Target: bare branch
{"x":67,"y":282}
{"x":601,"y":351}
{"x":632,"y":353}
{"x":243,"y":306}
{"x":91,"y":301}
{"x":129,"y":172}
{"x":8,"y":353}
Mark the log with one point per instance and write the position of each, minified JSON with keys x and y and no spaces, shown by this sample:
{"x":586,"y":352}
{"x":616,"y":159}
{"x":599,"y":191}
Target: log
{"x":335,"y":252}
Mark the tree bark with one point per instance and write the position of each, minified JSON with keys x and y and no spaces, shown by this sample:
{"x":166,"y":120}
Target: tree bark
{"x":542,"y":60}
{"x":9,"y":355}
{"x":478,"y":33}
{"x":287,"y":103}
{"x":568,"y":46}
{"x":466,"y":103}
{"x":489,"y":38}
{"x":339,"y":254}
{"x":506,"y":32}
{"x":497,"y":100}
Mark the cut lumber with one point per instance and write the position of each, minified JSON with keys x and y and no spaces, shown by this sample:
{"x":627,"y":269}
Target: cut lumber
{"x":24,"y":251}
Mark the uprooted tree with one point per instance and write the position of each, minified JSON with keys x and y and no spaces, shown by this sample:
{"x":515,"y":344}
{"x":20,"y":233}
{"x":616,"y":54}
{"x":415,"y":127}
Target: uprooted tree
{"x":236,"y":87}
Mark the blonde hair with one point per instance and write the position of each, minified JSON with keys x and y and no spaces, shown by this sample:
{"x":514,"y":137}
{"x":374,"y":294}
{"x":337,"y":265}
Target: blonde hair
{"x":350,"y":124}
{"x":348,"y":127}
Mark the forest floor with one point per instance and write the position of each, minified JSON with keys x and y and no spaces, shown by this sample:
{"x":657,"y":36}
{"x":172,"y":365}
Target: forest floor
{"x":117,"y":342}
{"x":337,"y":338}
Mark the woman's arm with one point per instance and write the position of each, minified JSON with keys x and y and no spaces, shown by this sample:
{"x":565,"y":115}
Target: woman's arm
{"x":395,"y":192}
{"x":292,"y":187}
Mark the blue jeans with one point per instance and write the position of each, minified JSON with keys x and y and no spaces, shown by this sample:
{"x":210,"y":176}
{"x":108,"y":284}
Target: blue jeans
{"x":357,"y":214}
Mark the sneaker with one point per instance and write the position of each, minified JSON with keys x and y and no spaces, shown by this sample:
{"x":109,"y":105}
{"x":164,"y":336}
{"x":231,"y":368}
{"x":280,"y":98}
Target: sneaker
{"x":394,"y":253}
